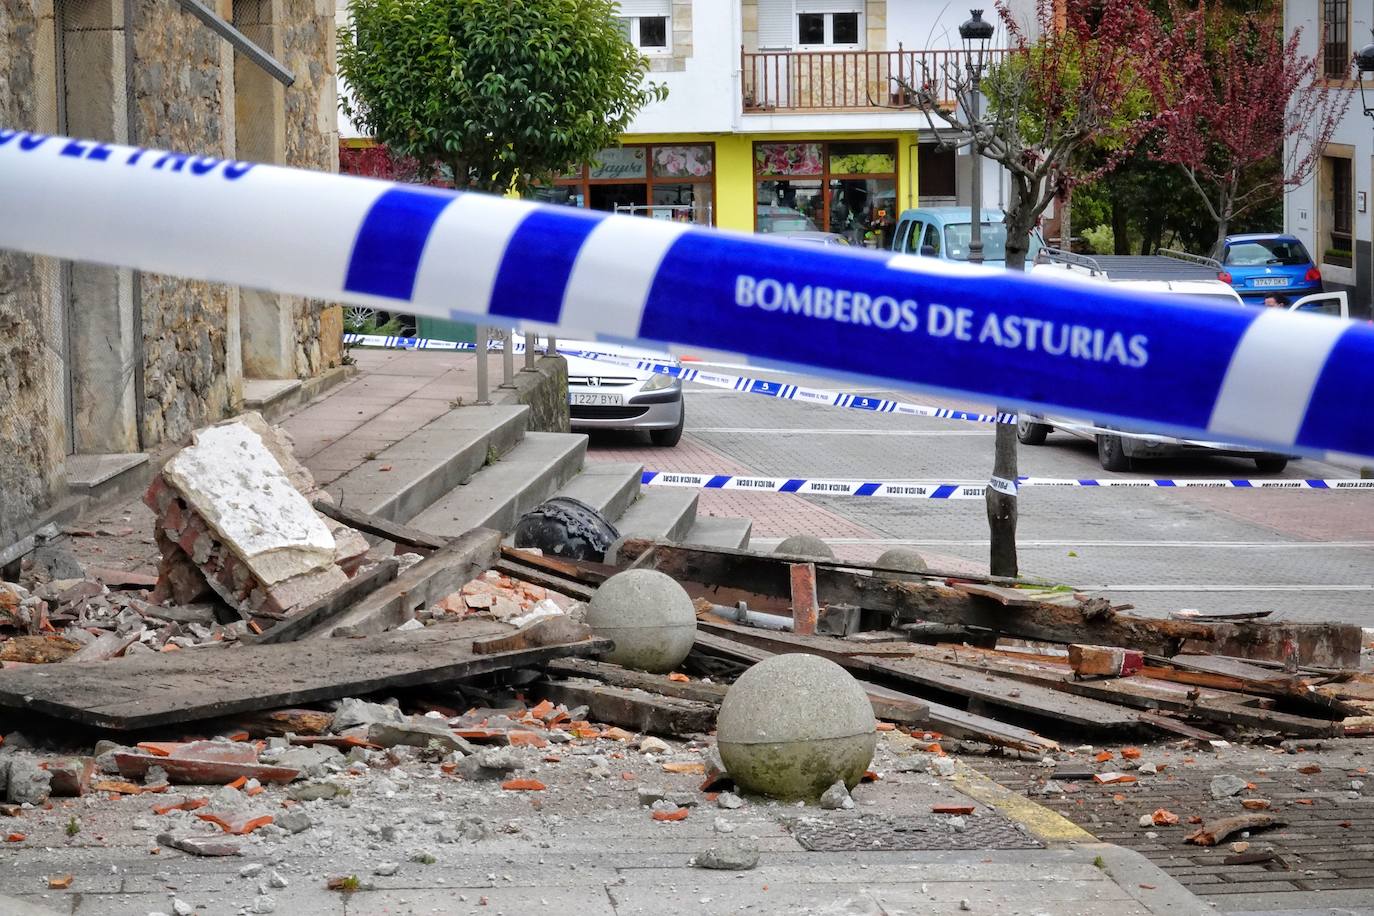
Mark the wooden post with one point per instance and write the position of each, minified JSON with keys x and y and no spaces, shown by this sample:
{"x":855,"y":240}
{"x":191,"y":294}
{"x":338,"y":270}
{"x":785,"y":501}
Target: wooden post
{"x":805,"y":606}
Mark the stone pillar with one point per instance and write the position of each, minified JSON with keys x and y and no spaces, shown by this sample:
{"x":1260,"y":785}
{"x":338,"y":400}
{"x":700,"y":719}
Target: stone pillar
{"x":267,"y":327}
{"x":104,"y":351}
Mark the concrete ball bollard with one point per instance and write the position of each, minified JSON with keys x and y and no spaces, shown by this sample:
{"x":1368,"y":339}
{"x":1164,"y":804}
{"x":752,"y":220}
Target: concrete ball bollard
{"x":648,"y":616}
{"x":793,"y":725}
{"x":903,"y":558}
{"x":805,"y":545}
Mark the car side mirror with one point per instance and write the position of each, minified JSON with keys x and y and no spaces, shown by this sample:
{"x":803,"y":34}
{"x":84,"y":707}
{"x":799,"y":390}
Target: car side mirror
{"x":927,"y":251}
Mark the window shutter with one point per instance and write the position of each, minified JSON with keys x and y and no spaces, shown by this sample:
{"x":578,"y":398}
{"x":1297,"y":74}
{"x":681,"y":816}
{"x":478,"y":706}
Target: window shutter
{"x":776,"y":29}
{"x":830,"y":6}
{"x":645,"y":7}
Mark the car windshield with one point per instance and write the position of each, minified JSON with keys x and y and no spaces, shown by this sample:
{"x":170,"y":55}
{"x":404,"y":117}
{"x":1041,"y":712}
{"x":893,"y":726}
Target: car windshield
{"x":1266,"y":252}
{"x":994,"y":241}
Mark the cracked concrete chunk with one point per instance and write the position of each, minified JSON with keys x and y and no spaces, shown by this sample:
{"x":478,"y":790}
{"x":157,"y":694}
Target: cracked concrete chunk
{"x":736,"y":855}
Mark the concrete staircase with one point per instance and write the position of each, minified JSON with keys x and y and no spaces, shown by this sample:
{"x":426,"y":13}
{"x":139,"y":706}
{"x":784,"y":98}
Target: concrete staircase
{"x":480,"y":467}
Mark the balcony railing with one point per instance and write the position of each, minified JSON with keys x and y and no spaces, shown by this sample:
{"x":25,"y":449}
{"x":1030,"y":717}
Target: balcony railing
{"x":794,"y":81}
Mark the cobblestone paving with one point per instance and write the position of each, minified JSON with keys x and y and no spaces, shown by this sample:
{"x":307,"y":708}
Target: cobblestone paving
{"x":1324,"y":856}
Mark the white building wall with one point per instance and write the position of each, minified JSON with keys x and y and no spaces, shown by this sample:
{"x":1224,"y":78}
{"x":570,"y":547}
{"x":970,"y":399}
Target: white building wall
{"x":1303,"y":204}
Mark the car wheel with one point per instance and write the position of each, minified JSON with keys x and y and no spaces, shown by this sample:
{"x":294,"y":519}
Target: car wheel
{"x":667,"y":438}
{"x":1111,"y":453}
{"x":1271,"y":465}
{"x":1028,"y":433}
{"x":357,"y":316}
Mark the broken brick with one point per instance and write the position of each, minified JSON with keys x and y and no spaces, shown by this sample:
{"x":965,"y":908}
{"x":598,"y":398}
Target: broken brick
{"x":523,"y":785}
{"x":1310,"y":769}
{"x":179,"y":803}
{"x":1164,"y":818}
{"x":1103,"y":756}
{"x":237,"y":824}
{"x":202,"y":772}
{"x":118,"y":787}
{"x":694,"y":769}
{"x":526,"y":739}
{"x":1254,"y":804}
{"x":14,"y":837}
{"x":951,"y":809}
{"x":615,"y":733}
{"x":1130,"y":753}
{"x":70,"y":776}
{"x":1111,"y":778}
{"x":679,"y":815}
{"x":59,"y":882}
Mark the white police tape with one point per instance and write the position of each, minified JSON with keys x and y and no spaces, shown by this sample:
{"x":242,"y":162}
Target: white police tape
{"x":1159,"y":363}
{"x":914,"y":490}
{"x":779,"y":390}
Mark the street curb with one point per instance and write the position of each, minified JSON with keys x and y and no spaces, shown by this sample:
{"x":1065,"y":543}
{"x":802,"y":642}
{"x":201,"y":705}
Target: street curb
{"x":1145,"y":882}
{"x":1045,"y":825}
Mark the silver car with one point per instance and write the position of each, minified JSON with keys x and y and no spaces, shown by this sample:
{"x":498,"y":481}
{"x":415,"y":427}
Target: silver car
{"x":607,"y":395}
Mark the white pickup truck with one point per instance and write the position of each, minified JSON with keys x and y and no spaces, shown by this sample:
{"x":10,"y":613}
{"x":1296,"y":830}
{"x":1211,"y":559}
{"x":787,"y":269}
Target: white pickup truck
{"x":1176,"y":274}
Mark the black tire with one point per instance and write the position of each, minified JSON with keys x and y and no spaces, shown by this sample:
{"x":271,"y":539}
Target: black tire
{"x":1271,"y":465}
{"x":1028,"y":433}
{"x":1111,"y":453}
{"x":667,"y":438}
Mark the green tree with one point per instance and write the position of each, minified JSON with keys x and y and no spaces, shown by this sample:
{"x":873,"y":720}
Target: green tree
{"x":502,"y":93}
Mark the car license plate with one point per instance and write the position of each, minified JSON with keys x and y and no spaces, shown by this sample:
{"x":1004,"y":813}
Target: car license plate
{"x":596,"y":400}
{"x":1269,"y":281}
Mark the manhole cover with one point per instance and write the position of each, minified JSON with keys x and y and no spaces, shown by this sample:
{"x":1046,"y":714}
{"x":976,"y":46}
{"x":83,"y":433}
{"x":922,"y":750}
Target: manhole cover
{"x":848,"y":833}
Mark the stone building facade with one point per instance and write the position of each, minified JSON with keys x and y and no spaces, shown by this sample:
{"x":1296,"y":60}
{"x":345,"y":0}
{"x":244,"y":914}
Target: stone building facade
{"x":103,"y":361}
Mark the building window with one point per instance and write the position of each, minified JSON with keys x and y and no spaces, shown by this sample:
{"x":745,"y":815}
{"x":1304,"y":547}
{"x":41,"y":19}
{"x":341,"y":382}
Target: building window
{"x":661,"y":181}
{"x":1340,"y":237}
{"x":848,"y":188}
{"x":1336,"y":38}
{"x":831,"y":29}
{"x":650,"y":34}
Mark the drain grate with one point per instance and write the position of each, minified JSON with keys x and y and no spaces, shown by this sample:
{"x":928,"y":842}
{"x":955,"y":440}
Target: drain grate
{"x":875,"y":833}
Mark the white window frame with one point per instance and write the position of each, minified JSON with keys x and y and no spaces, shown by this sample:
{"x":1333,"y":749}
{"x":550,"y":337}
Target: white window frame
{"x":829,"y":11}
{"x":664,"y":51}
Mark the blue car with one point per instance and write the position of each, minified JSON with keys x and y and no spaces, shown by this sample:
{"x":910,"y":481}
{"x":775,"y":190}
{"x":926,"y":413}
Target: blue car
{"x":1267,"y":264}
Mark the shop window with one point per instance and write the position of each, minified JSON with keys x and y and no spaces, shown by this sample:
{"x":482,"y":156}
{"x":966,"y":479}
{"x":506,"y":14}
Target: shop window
{"x":846,"y":188}
{"x":1335,"y":31}
{"x":669,"y":182}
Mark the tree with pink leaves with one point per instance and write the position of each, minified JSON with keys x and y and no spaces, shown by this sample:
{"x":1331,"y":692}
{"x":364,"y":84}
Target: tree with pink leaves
{"x":1237,"y":107}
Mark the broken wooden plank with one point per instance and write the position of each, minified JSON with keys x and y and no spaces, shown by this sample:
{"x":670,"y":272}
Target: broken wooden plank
{"x":624,"y":677}
{"x":322,"y":611}
{"x":547,"y":631}
{"x":514,"y":569}
{"x":631,"y":708}
{"x":192,"y":771}
{"x":167,"y":688}
{"x":1168,"y":723}
{"x":1213,"y":832}
{"x":367,"y":523}
{"x":983,"y":690}
{"x":1136,"y":692}
{"x":38,"y":650}
{"x":726,"y":576}
{"x":440,"y":574}
{"x":282,"y":722}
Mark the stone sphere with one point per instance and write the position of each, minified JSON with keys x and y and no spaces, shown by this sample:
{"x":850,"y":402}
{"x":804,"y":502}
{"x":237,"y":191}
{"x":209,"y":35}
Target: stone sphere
{"x":793,"y":725}
{"x":804,"y":545}
{"x":648,"y":615}
{"x":903,"y":558}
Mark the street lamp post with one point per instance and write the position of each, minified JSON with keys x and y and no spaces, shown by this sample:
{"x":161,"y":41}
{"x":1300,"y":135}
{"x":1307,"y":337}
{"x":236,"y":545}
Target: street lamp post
{"x":976,"y":35}
{"x":1364,"y":63}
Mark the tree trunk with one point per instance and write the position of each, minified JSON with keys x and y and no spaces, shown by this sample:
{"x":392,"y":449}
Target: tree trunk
{"x":1001,"y":507}
{"x":1121,"y":232}
{"x":460,"y":173}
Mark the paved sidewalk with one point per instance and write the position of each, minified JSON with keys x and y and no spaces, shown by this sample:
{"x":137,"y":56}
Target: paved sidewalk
{"x":586,"y":846}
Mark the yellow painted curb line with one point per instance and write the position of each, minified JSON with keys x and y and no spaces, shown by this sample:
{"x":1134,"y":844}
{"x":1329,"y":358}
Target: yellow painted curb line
{"x":1039,"y":821}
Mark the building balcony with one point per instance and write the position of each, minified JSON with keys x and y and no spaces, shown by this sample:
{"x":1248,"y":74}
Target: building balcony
{"x":837,"y":81}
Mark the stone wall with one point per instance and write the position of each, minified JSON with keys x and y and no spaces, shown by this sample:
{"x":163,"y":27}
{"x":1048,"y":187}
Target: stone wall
{"x":184,"y":100}
{"x":32,"y":408}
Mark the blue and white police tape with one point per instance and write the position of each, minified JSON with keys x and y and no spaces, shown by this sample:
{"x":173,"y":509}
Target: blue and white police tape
{"x":779,"y":390}
{"x":925,"y":490}
{"x":1159,"y":363}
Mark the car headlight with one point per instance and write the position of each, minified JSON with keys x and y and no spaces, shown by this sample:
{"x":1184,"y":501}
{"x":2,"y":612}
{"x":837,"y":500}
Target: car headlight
{"x":659,"y":382}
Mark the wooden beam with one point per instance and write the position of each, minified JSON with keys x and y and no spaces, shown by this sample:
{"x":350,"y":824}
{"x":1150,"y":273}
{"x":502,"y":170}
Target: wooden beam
{"x":320,"y":612}
{"x":404,"y":535}
{"x":727,"y":576}
{"x":630,"y":708}
{"x":984,"y":691}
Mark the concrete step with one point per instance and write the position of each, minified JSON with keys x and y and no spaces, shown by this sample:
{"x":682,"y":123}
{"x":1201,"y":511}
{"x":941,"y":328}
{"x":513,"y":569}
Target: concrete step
{"x":720,"y":531}
{"x":497,"y":495}
{"x":661,"y":513}
{"x":609,"y":487}
{"x":431,"y":461}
